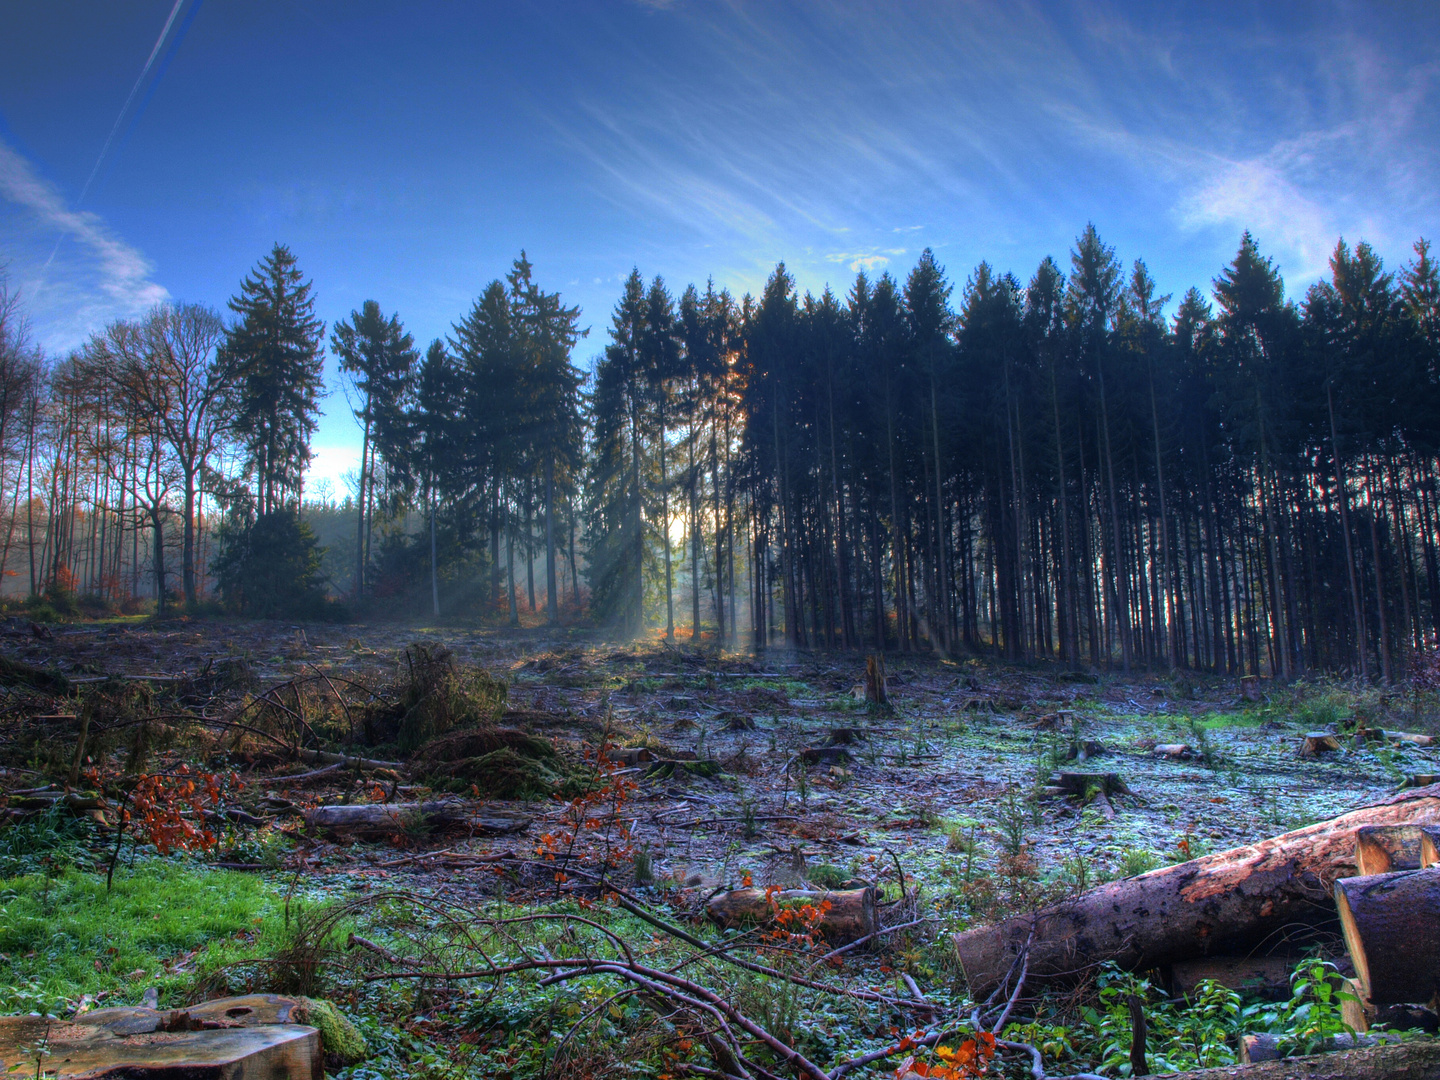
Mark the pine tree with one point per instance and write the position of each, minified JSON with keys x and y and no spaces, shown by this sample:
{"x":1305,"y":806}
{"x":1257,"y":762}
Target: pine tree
{"x":277,"y":351}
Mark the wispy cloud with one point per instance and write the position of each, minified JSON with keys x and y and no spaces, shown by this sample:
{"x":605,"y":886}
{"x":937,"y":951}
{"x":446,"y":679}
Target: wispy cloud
{"x":91,"y":276}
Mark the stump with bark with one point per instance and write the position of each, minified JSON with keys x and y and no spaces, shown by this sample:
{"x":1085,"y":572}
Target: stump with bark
{"x":1227,"y":902}
{"x":1316,"y":743}
{"x":1391,"y":924}
{"x":875,"y":692}
{"x":850,"y":916}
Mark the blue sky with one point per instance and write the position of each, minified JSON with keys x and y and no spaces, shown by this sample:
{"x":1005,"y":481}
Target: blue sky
{"x":407,"y":152}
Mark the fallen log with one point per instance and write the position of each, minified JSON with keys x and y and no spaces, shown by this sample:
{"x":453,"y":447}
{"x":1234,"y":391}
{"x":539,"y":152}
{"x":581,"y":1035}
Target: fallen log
{"x":325,"y":757}
{"x":1417,"y":1060}
{"x":1391,"y":924}
{"x":1175,"y":751}
{"x":1226,"y":902}
{"x":1266,"y":1047}
{"x":1382,"y":849}
{"x":389,"y":819}
{"x":851,"y":914}
{"x":1265,"y":977}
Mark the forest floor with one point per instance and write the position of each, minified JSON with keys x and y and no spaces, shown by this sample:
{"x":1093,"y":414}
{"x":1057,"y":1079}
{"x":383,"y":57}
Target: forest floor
{"x":932,"y":799}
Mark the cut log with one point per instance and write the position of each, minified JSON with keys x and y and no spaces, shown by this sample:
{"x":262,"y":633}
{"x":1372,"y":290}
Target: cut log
{"x":389,"y":819}
{"x":875,"y":692}
{"x":1174,"y":751}
{"x":1359,"y":1013}
{"x":81,"y":1051}
{"x":1416,"y":1060}
{"x":1391,"y":924}
{"x":1318,"y":742}
{"x":1266,"y":1047}
{"x":851,"y":914}
{"x":1226,"y":902}
{"x":1429,"y":845}
{"x":1418,"y":780}
{"x":1265,"y":977}
{"x":1382,"y":849}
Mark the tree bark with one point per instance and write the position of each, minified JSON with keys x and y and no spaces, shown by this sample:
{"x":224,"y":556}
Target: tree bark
{"x":851,"y":914}
{"x":1391,"y":924}
{"x":1408,"y":1061}
{"x":1227,"y":902}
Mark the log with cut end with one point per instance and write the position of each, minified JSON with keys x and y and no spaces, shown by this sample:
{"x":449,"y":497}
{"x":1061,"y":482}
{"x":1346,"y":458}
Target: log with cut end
{"x":851,"y":914}
{"x":389,"y":819}
{"x":1391,"y":924}
{"x":1382,"y":849}
{"x":1174,"y":751}
{"x":1227,"y":902}
{"x":1429,"y":845}
{"x":1318,"y":742}
{"x":1415,"y":1060}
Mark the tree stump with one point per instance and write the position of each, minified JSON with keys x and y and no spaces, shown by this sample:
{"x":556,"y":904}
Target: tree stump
{"x":1391,"y":924}
{"x":875,"y":680}
{"x":851,"y":914}
{"x":1414,"y":780}
{"x":825,"y":755}
{"x":1318,"y":742}
{"x":1250,"y":688}
{"x":1084,"y":784}
{"x":81,"y":1051}
{"x":1382,"y":849}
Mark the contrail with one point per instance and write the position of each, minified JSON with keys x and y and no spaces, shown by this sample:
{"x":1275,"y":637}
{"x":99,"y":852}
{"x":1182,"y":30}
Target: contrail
{"x":159,"y":42}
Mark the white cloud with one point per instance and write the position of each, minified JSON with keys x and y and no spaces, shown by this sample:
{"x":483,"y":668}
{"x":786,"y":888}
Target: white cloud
{"x":858,"y":261}
{"x":74,"y":273}
{"x":1259,"y":196}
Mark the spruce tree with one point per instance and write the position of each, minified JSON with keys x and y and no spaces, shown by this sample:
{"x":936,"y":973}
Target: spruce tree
{"x":277,"y":351}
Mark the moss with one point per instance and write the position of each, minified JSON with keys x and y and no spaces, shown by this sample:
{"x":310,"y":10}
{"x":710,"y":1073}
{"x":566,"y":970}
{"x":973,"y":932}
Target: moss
{"x":337,"y":1034}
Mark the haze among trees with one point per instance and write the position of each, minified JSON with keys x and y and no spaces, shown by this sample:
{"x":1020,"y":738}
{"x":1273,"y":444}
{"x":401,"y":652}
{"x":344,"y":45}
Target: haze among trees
{"x":1067,"y":467}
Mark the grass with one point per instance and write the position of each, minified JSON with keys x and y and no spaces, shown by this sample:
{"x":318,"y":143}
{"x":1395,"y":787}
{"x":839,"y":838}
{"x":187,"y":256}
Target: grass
{"x":164,"y":922}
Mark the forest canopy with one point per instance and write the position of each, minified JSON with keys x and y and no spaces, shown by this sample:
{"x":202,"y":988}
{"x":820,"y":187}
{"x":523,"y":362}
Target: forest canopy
{"x":1068,"y":467}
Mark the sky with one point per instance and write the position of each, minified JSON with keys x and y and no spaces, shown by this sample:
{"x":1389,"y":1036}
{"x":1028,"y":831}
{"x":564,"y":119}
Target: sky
{"x":155,"y":150}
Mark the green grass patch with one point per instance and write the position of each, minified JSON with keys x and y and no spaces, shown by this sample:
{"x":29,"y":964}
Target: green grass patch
{"x":163,"y":924}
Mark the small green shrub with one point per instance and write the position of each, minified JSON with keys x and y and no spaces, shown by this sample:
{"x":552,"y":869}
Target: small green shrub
{"x":1135,"y":861}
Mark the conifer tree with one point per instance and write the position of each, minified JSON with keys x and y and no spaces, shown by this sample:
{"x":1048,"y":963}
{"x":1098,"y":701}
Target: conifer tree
{"x":276,"y":347}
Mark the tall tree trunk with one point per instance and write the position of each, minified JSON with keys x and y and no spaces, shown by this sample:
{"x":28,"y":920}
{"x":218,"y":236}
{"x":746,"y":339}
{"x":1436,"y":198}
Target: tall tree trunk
{"x":552,"y":581}
{"x":360,"y":503}
{"x":1342,"y":486}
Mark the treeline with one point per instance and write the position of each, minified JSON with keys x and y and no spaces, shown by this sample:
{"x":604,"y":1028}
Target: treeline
{"x":1054,"y":469}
